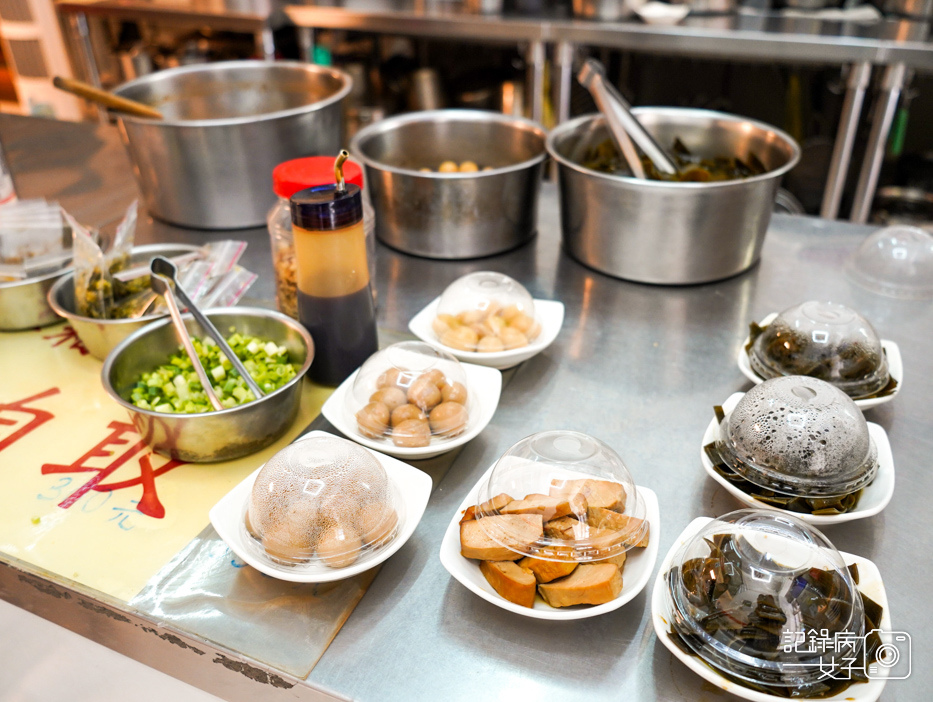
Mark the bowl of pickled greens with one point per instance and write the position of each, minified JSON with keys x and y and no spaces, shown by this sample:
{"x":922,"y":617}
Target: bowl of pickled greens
{"x":151,"y":376}
{"x":706,"y":223}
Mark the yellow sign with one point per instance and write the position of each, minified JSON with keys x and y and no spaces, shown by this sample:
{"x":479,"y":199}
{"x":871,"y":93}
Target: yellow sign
{"x":81,"y":495}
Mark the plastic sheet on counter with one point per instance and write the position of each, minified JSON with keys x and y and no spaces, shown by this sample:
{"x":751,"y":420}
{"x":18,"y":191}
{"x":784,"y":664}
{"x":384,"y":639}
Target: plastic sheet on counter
{"x":206,"y":591}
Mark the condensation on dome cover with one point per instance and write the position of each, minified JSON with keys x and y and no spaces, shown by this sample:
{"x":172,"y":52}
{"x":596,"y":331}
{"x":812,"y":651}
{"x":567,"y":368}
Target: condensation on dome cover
{"x":324,"y":500}
{"x":799,"y":436}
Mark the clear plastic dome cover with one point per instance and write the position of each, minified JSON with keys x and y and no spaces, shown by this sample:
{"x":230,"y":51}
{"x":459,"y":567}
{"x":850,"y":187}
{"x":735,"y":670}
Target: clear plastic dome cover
{"x":486,"y":312}
{"x":411,"y":394}
{"x":824,"y":340}
{"x":752,"y":589}
{"x":896,"y":262}
{"x":799,"y":436}
{"x":580,"y":486}
{"x":324,"y":500}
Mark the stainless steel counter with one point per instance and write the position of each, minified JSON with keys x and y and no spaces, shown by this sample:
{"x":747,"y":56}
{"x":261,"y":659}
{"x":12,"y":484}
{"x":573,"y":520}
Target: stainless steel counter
{"x":637,"y":366}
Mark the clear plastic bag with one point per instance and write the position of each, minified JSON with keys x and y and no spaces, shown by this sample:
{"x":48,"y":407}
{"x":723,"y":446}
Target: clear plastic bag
{"x":227,"y":291}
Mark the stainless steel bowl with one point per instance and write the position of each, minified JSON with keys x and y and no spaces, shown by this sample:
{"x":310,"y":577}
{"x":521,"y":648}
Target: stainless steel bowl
{"x":99,"y":336}
{"x":453,"y":215}
{"x":24,"y":303}
{"x":671,"y":233}
{"x":210,"y":436}
{"x":209,"y":163}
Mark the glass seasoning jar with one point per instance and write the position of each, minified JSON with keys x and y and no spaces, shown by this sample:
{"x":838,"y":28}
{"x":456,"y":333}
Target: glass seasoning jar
{"x":335,"y":302}
{"x":288,"y":178}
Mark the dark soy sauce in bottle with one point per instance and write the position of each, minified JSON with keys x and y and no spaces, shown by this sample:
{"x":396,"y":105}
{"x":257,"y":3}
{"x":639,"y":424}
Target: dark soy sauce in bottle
{"x":335,"y":303}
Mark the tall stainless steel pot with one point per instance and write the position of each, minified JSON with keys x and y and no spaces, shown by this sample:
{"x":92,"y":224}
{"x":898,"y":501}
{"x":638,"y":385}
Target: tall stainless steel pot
{"x":667,"y":232}
{"x":209,"y":163}
{"x":453,"y":215}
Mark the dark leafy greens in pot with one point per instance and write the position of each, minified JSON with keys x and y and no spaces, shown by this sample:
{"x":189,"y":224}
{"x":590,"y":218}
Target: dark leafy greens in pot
{"x":819,"y":600}
{"x":794,"y":355}
{"x":605,"y":158}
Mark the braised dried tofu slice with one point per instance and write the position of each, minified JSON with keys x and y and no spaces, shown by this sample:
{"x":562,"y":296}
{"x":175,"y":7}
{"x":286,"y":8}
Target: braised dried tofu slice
{"x":546,"y":570}
{"x":518,"y":530}
{"x":617,"y":560}
{"x":493,"y":505}
{"x":548,"y":507}
{"x":597,"y":493}
{"x":511,"y":581}
{"x":633,"y":531}
{"x":570,"y":529}
{"x":565,"y":528}
{"x":592,"y":584}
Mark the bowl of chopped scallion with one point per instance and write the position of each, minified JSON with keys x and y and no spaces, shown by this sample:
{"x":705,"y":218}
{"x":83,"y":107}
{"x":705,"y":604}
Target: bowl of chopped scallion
{"x":150,"y":374}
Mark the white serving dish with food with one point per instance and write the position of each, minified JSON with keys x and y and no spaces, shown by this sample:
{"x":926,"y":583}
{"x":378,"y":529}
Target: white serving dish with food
{"x":875,"y":497}
{"x":892,"y":354}
{"x":411,"y":490}
{"x":553,"y":565}
{"x":549,"y":314}
{"x":869,"y":583}
{"x":354,"y":407}
{"x":489,"y":319}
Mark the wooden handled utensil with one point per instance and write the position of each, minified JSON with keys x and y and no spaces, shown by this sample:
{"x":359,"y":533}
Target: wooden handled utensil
{"x":107,"y":99}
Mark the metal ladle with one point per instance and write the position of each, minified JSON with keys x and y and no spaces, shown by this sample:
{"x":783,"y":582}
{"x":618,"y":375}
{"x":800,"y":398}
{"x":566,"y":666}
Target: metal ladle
{"x":163,"y":272}
{"x":622,"y":123}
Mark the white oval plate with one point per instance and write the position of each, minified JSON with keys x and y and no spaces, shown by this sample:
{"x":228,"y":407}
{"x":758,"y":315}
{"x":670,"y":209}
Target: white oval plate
{"x":484,"y":384}
{"x":635,"y":575}
{"x":549,"y":313}
{"x":891,"y":351}
{"x":870,"y":583}
{"x":412,"y":485}
{"x":874,"y":498}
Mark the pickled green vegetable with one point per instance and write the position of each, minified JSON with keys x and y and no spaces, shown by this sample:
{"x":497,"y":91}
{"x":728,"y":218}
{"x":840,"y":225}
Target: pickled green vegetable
{"x":605,"y":158}
{"x":174,"y":387}
{"x":713,"y":585}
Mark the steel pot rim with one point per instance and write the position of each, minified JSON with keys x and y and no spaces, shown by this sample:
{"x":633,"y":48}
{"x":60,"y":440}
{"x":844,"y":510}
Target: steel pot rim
{"x":447,"y":115}
{"x":170,"y":73}
{"x":573,"y":124}
{"x":159,"y":323}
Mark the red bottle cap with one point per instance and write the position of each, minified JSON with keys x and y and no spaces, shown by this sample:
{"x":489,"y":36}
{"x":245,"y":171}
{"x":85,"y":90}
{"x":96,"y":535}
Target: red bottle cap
{"x":302,"y":173}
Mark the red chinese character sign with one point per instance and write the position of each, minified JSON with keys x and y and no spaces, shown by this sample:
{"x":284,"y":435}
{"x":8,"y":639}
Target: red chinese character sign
{"x":81,"y":494}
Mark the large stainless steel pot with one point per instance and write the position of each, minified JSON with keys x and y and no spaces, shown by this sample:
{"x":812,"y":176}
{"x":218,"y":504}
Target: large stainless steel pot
{"x":671,"y":233}
{"x":209,"y":163}
{"x":453,"y":215}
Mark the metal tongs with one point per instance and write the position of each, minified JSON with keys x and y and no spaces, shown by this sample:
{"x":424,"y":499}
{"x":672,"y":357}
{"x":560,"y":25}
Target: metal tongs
{"x":163,"y":283}
{"x":622,"y":123}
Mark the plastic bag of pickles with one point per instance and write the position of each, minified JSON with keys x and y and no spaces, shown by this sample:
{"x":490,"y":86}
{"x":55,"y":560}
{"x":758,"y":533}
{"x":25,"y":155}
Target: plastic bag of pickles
{"x":95,"y":288}
{"x":109,"y":286}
